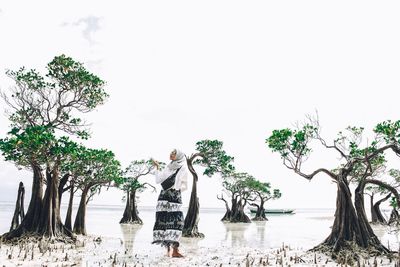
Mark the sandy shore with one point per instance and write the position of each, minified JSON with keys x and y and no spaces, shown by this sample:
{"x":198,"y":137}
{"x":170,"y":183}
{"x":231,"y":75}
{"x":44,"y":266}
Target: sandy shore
{"x":105,"y":251}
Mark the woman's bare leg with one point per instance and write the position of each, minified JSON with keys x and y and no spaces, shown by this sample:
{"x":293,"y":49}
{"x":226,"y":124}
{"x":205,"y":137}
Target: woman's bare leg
{"x":168,"y":251}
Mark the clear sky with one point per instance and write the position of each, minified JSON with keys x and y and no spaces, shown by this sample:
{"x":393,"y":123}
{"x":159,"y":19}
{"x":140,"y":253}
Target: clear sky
{"x":181,"y":71}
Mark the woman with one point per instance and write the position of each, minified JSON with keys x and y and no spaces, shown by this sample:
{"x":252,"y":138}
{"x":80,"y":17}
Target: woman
{"x":168,"y":227}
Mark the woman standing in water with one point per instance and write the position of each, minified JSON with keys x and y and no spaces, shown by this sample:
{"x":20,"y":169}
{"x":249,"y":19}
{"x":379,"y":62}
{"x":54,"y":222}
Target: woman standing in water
{"x":169,"y":223}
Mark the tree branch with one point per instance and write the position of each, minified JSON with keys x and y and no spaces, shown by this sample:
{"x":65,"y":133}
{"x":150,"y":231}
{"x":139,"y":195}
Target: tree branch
{"x":311,"y":175}
{"x":387,"y":186}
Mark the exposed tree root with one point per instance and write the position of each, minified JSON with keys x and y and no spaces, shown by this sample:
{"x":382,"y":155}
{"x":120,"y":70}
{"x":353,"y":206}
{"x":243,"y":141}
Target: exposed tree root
{"x":259,"y":218}
{"x":135,"y":222}
{"x":350,"y":253}
{"x":195,"y":235}
{"x":36,"y":238}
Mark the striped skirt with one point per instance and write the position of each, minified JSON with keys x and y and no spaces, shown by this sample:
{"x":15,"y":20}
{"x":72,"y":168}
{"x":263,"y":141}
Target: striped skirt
{"x":168,"y":227}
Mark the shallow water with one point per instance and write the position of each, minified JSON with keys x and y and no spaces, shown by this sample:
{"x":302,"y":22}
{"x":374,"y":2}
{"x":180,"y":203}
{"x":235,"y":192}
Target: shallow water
{"x":304,"y":229}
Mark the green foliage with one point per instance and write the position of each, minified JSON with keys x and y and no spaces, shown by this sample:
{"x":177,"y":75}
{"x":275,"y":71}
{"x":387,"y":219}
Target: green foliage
{"x":276,"y":194}
{"x":71,"y":75}
{"x":213,"y":157}
{"x":245,"y":185}
{"x":395,"y":174}
{"x":53,"y":99}
{"x":24,"y":147}
{"x":376,"y":189}
{"x":234,"y":181}
{"x":279,"y":141}
{"x":393,"y":203}
{"x":35,"y":145}
{"x":262,"y":189}
{"x":350,"y":143}
{"x":289,"y":142}
{"x":350,"y":139}
{"x":389,"y":131}
{"x":93,"y":167}
{"x":132,"y":173}
{"x":83,"y":135}
{"x":256,"y":185}
{"x":245,"y":182}
{"x":30,"y":78}
{"x":377,"y":165}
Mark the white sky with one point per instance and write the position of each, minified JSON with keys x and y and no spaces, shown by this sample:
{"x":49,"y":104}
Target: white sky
{"x":182,"y":71}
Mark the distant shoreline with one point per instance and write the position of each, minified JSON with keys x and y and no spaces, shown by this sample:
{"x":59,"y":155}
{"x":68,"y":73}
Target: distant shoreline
{"x":12,"y":203}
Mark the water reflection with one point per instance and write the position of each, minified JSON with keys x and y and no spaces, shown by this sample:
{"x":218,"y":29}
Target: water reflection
{"x":235,"y":233}
{"x":389,"y":236}
{"x":190,"y":246}
{"x":379,"y":230}
{"x":129,"y":232}
{"x":260,"y":225}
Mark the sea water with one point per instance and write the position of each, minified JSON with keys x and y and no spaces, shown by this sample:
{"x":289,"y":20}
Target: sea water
{"x":303,"y":229}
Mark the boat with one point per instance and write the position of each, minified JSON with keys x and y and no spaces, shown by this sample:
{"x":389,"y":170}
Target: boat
{"x":274,"y":211}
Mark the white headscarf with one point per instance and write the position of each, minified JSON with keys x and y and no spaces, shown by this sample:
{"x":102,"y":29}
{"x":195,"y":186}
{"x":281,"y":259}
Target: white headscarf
{"x":181,"y":176}
{"x":178,"y":162}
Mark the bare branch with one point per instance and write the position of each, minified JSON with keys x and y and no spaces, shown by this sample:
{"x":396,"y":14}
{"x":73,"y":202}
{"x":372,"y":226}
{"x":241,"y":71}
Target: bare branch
{"x":154,"y":189}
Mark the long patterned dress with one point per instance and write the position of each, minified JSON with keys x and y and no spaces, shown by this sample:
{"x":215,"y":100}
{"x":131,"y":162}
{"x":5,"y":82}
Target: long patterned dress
{"x":168,"y":226}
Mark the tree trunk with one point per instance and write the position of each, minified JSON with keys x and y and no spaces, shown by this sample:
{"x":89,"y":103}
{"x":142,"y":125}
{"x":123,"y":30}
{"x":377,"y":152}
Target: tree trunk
{"x":260,"y":215}
{"x":127,"y":210}
{"x":350,"y":228}
{"x":79,"y":225}
{"x":19,"y":207}
{"x":190,"y":228}
{"x":32,"y":216}
{"x":345,"y":226}
{"x":394,"y":218}
{"x":370,"y":239}
{"x":234,"y":206}
{"x":227,"y":215}
{"x":50,"y":219}
{"x":374,"y":216}
{"x":43,"y":216}
{"x":131,"y":214}
{"x":377,"y":210}
{"x":68,"y":217}
{"x":239,"y":216}
{"x":63,"y":182}
{"x":31,"y":220}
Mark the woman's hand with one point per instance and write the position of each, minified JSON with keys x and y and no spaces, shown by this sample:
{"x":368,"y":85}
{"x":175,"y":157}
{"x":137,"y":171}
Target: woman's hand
{"x":155,"y":163}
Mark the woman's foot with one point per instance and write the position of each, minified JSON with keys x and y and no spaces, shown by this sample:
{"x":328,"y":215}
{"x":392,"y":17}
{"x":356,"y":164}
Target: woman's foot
{"x":176,"y":254}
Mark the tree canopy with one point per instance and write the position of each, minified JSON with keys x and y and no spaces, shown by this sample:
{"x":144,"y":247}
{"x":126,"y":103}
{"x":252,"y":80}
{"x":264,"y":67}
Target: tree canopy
{"x":210,"y":155}
{"x":35,"y":145}
{"x":95,"y":167}
{"x":53,"y":99}
{"x":130,"y":179}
